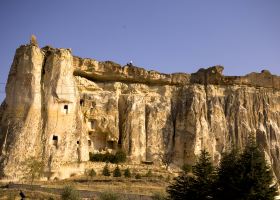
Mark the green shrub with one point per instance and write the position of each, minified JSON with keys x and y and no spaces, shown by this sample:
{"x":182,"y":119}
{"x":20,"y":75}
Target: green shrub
{"x":91,"y":173}
{"x":108,"y":196}
{"x":168,"y":178}
{"x":106,"y":171}
{"x":138,"y":176}
{"x":68,"y":193}
{"x":186,"y":168}
{"x":159,"y":196}
{"x":118,"y":157}
{"x":127,"y":173}
{"x":117,"y":172}
{"x":149,"y":173}
{"x":11,"y":196}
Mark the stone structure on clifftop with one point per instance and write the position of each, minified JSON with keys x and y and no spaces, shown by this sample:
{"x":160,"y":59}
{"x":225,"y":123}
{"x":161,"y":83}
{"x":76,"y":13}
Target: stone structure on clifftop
{"x":60,"y":107}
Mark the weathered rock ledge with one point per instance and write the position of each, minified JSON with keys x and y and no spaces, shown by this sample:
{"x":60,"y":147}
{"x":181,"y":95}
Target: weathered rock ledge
{"x":111,"y":71}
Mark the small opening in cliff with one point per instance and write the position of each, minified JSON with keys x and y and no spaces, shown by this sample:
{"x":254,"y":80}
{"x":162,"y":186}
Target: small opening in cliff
{"x":66,"y":109}
{"x":89,"y":142}
{"x":82,"y":102}
{"x":92,"y":124}
{"x":55,"y":140}
{"x":78,"y":142}
{"x":93,"y":104}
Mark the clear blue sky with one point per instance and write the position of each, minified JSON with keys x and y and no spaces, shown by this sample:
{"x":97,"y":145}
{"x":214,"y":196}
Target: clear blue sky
{"x":163,"y":35}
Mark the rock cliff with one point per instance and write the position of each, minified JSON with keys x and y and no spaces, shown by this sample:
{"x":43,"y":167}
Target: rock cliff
{"x":60,"y":107}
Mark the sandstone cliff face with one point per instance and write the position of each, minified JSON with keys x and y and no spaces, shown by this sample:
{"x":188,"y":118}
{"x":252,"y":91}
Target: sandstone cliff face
{"x":60,"y":108}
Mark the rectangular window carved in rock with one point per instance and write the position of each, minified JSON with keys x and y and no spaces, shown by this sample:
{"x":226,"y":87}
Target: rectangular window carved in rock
{"x":66,"y":109}
{"x":92,"y":124}
{"x":55,"y":140}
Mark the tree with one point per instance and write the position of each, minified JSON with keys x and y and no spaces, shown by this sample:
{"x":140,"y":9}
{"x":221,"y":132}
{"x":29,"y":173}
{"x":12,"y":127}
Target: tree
{"x":90,"y":174}
{"x":138,"y":176}
{"x":117,"y":172}
{"x":33,"y":169}
{"x":245,"y":176}
{"x":106,"y":171}
{"x":240,"y":176}
{"x":204,"y":174}
{"x":257,"y":179}
{"x":197,"y":186}
{"x":127,"y":173}
{"x":228,"y":176}
{"x":166,"y":158}
{"x":182,"y":188}
{"x":186,"y":168}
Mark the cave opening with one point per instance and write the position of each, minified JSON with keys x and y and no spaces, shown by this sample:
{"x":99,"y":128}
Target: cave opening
{"x":66,"y":109}
{"x":55,"y":140}
{"x":82,"y":102}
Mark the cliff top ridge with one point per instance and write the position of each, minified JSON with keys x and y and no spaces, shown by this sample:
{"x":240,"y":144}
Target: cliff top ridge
{"x":110,"y":71}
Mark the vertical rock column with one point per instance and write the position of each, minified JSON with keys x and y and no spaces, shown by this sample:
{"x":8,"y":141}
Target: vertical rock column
{"x":132,"y":122}
{"x":64,"y":135}
{"x":21,"y":134}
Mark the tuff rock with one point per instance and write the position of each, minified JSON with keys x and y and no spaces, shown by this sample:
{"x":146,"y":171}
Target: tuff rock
{"x":60,"y":107}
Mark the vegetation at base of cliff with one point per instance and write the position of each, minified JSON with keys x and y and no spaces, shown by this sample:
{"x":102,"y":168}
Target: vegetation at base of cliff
{"x":33,"y":169}
{"x":106,"y":171}
{"x":240,"y":176}
{"x":118,"y":157}
{"x":117,"y":172}
{"x":108,"y":195}
{"x":69,"y":193}
{"x":127,"y":173}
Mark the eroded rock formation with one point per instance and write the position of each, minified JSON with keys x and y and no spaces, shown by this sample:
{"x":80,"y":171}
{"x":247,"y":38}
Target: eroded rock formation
{"x":60,"y":107}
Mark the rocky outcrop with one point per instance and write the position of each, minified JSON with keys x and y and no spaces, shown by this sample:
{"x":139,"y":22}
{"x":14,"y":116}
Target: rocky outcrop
{"x":60,"y":107}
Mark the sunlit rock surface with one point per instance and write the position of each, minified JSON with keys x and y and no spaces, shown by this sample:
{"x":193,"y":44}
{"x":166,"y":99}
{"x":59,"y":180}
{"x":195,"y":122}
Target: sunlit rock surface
{"x":59,"y":107}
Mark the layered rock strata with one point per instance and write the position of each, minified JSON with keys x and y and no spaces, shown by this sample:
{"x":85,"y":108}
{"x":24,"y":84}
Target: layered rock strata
{"x":60,"y":107}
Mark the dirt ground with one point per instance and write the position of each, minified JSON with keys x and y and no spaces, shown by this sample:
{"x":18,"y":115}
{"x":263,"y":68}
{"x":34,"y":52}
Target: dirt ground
{"x":126,"y":188}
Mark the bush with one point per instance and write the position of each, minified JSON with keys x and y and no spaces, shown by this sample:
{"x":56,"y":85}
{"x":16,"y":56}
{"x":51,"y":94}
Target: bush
{"x":92,"y":173}
{"x":108,"y":196}
{"x":149,"y":173}
{"x":196,"y":187}
{"x":68,"y":193}
{"x":186,"y":168}
{"x":168,"y":178}
{"x":138,"y":176}
{"x":160,"y":176}
{"x":106,"y":171}
{"x":117,"y":172}
{"x":119,"y":157}
{"x":99,"y":157}
{"x":127,"y":173}
{"x":159,"y":196}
